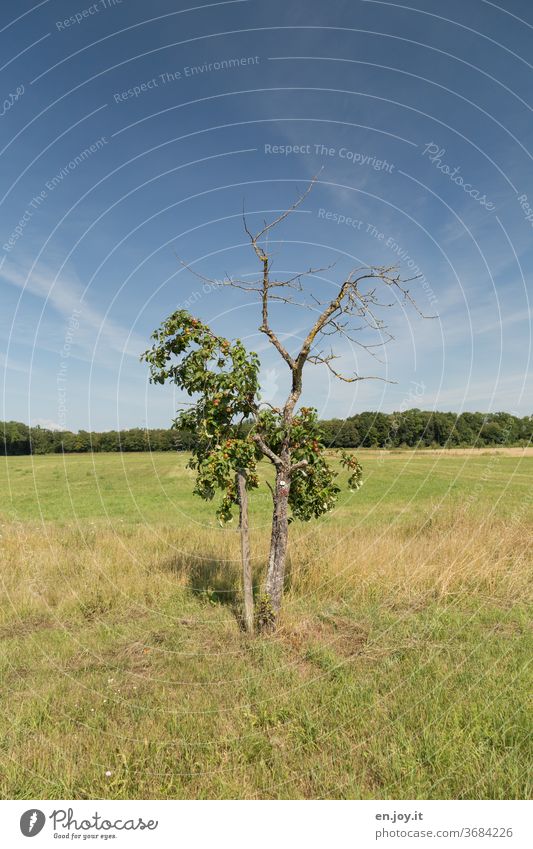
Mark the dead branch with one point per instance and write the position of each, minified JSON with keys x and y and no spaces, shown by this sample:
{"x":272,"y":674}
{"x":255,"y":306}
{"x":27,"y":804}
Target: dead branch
{"x":266,"y":450}
{"x":266,"y":229}
{"x":353,"y":310}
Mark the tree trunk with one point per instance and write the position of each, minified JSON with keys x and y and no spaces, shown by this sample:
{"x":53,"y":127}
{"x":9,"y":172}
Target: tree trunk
{"x":278,"y":544}
{"x":247,"y":588}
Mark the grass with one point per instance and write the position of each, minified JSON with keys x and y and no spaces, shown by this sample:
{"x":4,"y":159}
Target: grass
{"x":401,"y":669}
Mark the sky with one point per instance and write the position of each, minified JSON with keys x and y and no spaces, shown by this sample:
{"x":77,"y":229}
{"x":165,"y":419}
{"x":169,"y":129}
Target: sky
{"x":133,"y":133}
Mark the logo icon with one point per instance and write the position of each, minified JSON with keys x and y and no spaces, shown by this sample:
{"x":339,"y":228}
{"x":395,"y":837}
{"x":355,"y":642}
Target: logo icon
{"x":32,"y":822}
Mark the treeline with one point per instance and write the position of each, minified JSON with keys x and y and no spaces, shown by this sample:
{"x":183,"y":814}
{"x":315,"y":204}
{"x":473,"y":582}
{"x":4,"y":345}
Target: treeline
{"x":410,"y":429}
{"x":426,"y":429}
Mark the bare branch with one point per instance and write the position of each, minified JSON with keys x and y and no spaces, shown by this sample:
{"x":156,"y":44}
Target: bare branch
{"x":316,"y":360}
{"x":271,"y":488}
{"x":354,"y":309}
{"x":252,"y":238}
{"x":265,"y":326}
{"x":197,"y":273}
{"x":300,"y":199}
{"x":300,"y":465}
{"x":266,"y":283}
{"x":311,"y":272}
{"x":266,"y":450}
{"x":212,"y":281}
{"x":238,"y":285}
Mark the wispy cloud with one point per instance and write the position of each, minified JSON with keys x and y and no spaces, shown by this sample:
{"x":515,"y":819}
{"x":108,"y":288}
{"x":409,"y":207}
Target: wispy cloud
{"x":11,"y":365}
{"x":507,"y":392}
{"x":65,"y":294}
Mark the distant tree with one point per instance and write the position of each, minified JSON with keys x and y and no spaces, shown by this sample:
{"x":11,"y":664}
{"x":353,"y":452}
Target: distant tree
{"x":524,"y":429}
{"x":66,"y":442}
{"x":494,"y":432}
{"x":224,"y":378}
{"x":443,"y":428}
{"x":16,"y":438}
{"x":412,"y":428}
{"x":82,"y":442}
{"x":134,"y":439}
{"x":41,"y":440}
{"x":367,"y":429}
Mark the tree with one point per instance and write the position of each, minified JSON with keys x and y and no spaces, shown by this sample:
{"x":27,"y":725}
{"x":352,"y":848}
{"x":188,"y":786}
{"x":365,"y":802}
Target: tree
{"x":225,"y":377}
{"x":235,"y":429}
{"x":16,"y":438}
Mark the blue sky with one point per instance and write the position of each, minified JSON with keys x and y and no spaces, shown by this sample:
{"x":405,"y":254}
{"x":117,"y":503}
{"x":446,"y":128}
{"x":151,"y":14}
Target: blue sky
{"x":127,"y":137}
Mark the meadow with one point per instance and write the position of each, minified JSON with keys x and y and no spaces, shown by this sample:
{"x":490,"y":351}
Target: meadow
{"x":401,"y":668}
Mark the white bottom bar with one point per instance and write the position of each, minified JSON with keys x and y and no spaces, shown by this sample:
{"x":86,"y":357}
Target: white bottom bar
{"x":268,"y":824}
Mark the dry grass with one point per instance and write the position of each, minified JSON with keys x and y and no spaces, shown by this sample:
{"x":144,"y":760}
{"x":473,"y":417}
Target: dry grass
{"x":401,"y":669}
{"x":49,"y":572}
{"x":503,"y":451}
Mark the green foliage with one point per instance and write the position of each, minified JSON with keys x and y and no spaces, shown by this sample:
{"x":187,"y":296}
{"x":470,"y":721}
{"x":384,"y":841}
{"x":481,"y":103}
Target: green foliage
{"x":224,"y":373}
{"x":313,"y":488}
{"x":355,"y":480}
{"x":409,"y":428}
{"x":224,"y":376}
{"x":216,"y":467}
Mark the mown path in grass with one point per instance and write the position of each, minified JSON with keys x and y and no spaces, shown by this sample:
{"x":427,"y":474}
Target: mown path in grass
{"x":158,"y":487}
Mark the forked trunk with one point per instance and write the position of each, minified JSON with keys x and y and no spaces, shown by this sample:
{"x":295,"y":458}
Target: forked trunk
{"x":278,"y":545}
{"x":247,"y":588}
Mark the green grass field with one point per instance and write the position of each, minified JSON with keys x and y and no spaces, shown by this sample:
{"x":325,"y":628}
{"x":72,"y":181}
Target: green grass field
{"x":400,"y":670}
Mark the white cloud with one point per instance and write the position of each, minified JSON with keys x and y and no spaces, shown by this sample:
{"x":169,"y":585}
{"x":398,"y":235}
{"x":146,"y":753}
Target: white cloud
{"x":47,"y":423}
{"x":66,"y":295}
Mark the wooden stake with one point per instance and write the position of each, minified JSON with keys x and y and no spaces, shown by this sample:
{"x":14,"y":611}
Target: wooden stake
{"x":245,"y":553}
